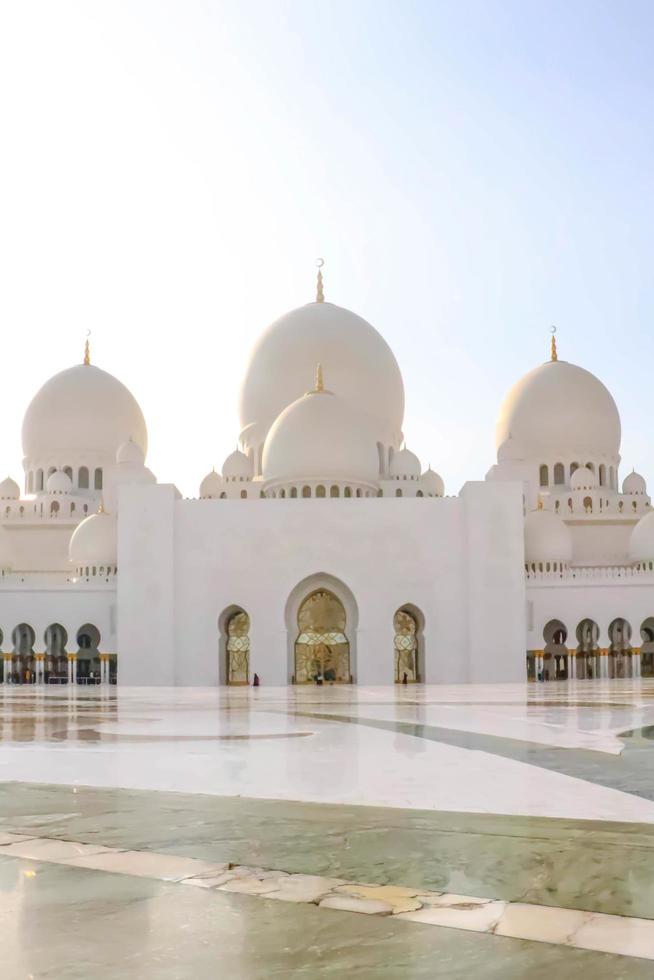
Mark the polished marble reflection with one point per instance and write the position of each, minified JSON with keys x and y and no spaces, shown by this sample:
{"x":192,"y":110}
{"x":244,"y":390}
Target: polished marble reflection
{"x":524,"y":796}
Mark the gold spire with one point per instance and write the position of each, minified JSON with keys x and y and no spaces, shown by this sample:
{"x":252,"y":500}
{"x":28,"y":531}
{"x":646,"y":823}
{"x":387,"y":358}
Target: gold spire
{"x":553,"y":354}
{"x":320,"y":296}
{"x":87,"y":349}
{"x":320,"y":384}
{"x":101,"y":508}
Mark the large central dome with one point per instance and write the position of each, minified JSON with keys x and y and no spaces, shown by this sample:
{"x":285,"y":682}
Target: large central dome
{"x":359,"y":363}
{"x":562,"y":409}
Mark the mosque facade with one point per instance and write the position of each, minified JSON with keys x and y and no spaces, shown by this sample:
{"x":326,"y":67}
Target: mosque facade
{"x":323,"y":552}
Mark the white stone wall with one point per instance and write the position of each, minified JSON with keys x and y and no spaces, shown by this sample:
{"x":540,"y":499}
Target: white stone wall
{"x":458,"y":560}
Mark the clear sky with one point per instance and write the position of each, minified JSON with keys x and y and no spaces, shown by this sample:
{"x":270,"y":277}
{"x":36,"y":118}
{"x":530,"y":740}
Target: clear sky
{"x":472,"y":172}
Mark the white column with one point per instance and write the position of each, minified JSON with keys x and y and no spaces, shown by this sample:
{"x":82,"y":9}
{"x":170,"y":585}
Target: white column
{"x":572,"y":660}
{"x":70,"y":671}
{"x":635,"y":664}
{"x":74,"y":670}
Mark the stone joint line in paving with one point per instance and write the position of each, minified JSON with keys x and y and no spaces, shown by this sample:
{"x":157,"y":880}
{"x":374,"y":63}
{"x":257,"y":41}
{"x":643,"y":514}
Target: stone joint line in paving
{"x":577,"y":929}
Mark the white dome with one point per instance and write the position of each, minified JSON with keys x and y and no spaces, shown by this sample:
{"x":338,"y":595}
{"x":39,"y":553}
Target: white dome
{"x":237,"y":466}
{"x":634,"y":484}
{"x":583,"y":478}
{"x":6,"y":551}
{"x":361,"y":367}
{"x":559,"y":408}
{"x":130,"y":452}
{"x":59,"y":482}
{"x":212,"y":485}
{"x":641,"y":544}
{"x":432,"y":483}
{"x":546,"y":537}
{"x":405,"y":463}
{"x":94,"y":541}
{"x":321,"y":436}
{"x":82,"y":409}
{"x":9,"y":489}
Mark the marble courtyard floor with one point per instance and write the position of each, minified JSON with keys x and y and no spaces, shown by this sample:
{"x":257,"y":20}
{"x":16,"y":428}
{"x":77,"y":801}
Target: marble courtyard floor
{"x":461,"y":832}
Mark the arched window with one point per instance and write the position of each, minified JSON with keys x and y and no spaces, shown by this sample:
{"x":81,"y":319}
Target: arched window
{"x":559,"y":474}
{"x":588,"y":505}
{"x":359,"y":494}
{"x":235,"y":641}
{"x":97,"y":479}
{"x":320,"y":491}
{"x":54,"y":508}
{"x":306,"y":491}
{"x":544,"y":476}
{"x":419,"y":493}
{"x":591,"y":467}
{"x":68,"y":470}
{"x":334,"y":491}
{"x":282,"y":493}
{"x":53,"y":469}
{"x":244,"y":494}
{"x":602,"y":475}
{"x":83,"y":478}
{"x":347,"y":492}
{"x":39,"y":480}
{"x":223,"y":496}
{"x":573,"y":467}
{"x":398,"y":492}
{"x":612,"y":477}
{"x":293,"y":491}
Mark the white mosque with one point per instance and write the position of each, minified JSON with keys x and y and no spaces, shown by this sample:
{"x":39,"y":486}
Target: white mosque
{"x":323,"y":553}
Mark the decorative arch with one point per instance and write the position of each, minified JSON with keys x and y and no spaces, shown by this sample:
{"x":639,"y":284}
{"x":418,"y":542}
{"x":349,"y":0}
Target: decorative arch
{"x":587,"y":654}
{"x":55,"y":639}
{"x":234,"y":646}
{"x":408,"y":644}
{"x":555,"y":652}
{"x":331,"y":656}
{"x":647,"y":647}
{"x":620,"y":661}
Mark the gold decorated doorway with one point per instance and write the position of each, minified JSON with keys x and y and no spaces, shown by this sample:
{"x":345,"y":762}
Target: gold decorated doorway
{"x":238,"y":649}
{"x":322,"y":649}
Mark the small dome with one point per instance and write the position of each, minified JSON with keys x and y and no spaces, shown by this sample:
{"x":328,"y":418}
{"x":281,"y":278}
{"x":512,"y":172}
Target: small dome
{"x":641,"y":545}
{"x":94,"y":541}
{"x":6,"y":551}
{"x":321,"y":436}
{"x":59,"y":482}
{"x":130,"y":452}
{"x":583,"y":479}
{"x":9,"y":489}
{"x":432,"y":483}
{"x":546,"y":537}
{"x":562,"y":409}
{"x":212,"y":485}
{"x":405,"y":464}
{"x":634,"y":484}
{"x":82,"y":409}
{"x":237,"y":466}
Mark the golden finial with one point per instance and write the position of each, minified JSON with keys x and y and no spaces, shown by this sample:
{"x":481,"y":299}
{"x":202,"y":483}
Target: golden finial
{"x":87,"y":349}
{"x":320,"y":384}
{"x":320,"y":296}
{"x":540,"y":502}
{"x":101,"y":508}
{"x":553,"y":355}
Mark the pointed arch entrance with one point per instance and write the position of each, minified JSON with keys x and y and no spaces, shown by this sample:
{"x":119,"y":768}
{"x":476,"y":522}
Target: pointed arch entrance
{"x":322,"y":649}
{"x":407,"y":627}
{"x":234,"y":626}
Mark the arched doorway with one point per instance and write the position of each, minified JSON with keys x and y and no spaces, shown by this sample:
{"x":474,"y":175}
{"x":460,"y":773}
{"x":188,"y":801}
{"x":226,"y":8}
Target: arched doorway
{"x":237,"y":647}
{"x":620,"y":648}
{"x":555,"y":653}
{"x":23,"y":638}
{"x":56,"y":657}
{"x":406,"y":645}
{"x":88,"y":654}
{"x":647,"y":647}
{"x":322,"y":649}
{"x":586,"y":665}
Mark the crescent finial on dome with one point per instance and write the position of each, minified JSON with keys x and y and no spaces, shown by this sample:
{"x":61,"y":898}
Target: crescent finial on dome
{"x":87,"y":349}
{"x":320,"y":295}
{"x":553,"y":353}
{"x":320,"y":384}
